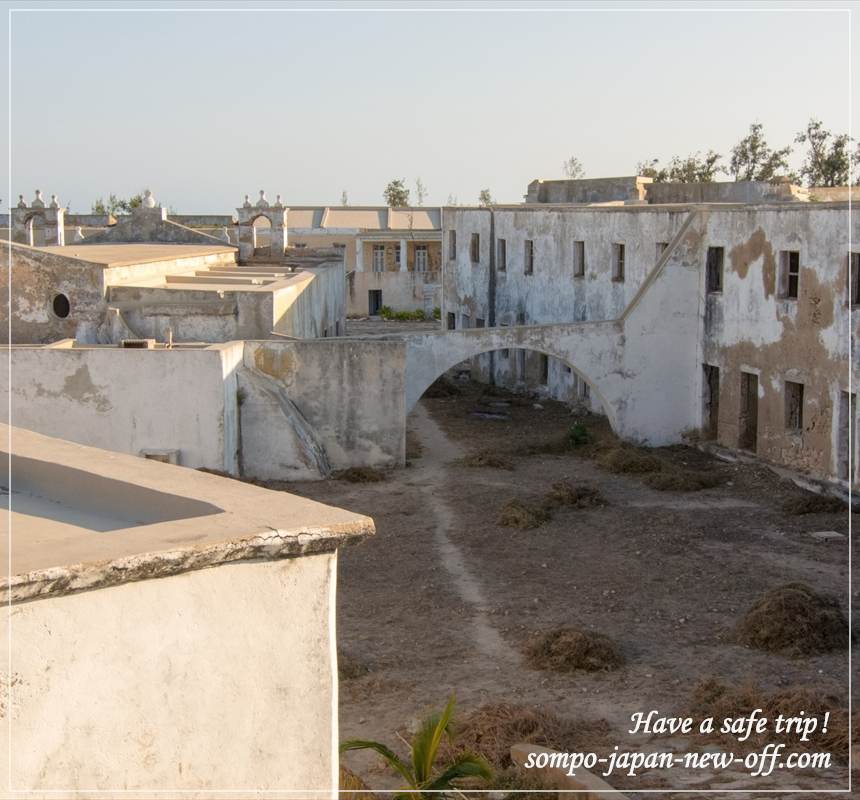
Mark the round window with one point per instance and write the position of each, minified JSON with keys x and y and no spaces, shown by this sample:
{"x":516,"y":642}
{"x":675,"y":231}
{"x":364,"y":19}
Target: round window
{"x":61,"y":306}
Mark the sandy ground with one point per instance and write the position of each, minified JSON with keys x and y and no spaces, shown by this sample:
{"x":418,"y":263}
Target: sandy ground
{"x":443,"y":598}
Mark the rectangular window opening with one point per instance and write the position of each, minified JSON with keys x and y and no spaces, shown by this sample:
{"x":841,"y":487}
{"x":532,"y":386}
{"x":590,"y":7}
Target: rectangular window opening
{"x":854,"y":279}
{"x":529,"y":257}
{"x":475,"y":248}
{"x":714,"y":269}
{"x":789,"y":274}
{"x":544,"y":369}
{"x":618,"y":262}
{"x":748,"y":438}
{"x":579,"y":259}
{"x":711,"y":415}
{"x":452,"y":321}
{"x":501,"y":255}
{"x":452,"y":245}
{"x":793,"y":407}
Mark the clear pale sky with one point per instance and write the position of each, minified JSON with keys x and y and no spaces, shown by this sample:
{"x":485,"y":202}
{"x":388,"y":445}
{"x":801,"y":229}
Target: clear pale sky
{"x":203,"y":106}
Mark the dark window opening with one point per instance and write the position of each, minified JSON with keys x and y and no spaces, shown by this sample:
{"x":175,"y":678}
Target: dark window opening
{"x":452,"y":245}
{"x":618,"y":262}
{"x":579,"y":259}
{"x":712,"y":401}
{"x":793,"y":407}
{"x":61,"y":306}
{"x":479,"y":323}
{"x":374,"y":302}
{"x":475,"y":248}
{"x":501,"y":255}
{"x":854,"y":280}
{"x":452,"y":321}
{"x":748,"y":439}
{"x":529,"y":257}
{"x":544,"y":369}
{"x":845,"y":444}
{"x":714,"y":269}
{"x":789,"y":277}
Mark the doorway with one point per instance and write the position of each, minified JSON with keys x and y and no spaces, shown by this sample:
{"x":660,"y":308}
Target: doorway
{"x":845,"y":443}
{"x":748,"y":439}
{"x":374,"y":302}
{"x":711,"y":415}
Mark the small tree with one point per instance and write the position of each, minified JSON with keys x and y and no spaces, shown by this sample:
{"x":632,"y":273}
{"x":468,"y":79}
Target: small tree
{"x":828,"y":156}
{"x":420,"y":192}
{"x":573,"y":168}
{"x":344,"y":200}
{"x":418,"y":771}
{"x":694,"y":168}
{"x":485,"y":198}
{"x":753,"y":160}
{"x":652,"y":169}
{"x":396,"y":194}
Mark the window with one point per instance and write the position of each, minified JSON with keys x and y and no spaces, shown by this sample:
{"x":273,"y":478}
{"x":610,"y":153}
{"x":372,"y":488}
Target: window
{"x":501,"y":255}
{"x":711,"y":410}
{"x":544,"y":369}
{"x":61,"y":306}
{"x":714,"y":269}
{"x":789,"y":274}
{"x":452,"y":321}
{"x":854,"y":279}
{"x":793,"y":407}
{"x":479,"y":323}
{"x":529,"y":257}
{"x":618,"y":262}
{"x":748,"y":419}
{"x":661,"y":248}
{"x":421,"y":258}
{"x":397,"y":254}
{"x":579,"y":259}
{"x":475,"y":248}
{"x":465,"y":322}
{"x":379,"y":258}
{"x":452,"y":245}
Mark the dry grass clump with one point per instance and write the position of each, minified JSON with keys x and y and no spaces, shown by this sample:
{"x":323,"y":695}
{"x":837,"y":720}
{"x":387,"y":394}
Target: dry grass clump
{"x":683,"y":480}
{"x":487,"y":458}
{"x":794,"y":619}
{"x":517,"y":514}
{"x":442,"y":387}
{"x":349,"y":668}
{"x":627,"y":460}
{"x":572,"y":649}
{"x":492,"y":729}
{"x":353,"y":784}
{"x":713,"y":699}
{"x":360,"y":475}
{"x":813,"y":504}
{"x":564,"y":493}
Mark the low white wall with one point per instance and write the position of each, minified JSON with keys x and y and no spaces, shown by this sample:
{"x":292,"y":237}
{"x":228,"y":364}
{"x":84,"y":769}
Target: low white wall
{"x":126,"y":400}
{"x":216,"y":679}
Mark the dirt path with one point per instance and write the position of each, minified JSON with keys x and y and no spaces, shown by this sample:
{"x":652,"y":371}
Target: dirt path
{"x":432,"y":473}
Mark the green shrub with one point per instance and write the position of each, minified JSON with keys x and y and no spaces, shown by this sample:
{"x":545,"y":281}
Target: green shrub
{"x":437,"y":313}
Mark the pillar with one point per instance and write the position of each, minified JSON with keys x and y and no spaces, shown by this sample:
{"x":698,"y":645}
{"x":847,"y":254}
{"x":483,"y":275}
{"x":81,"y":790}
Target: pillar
{"x":404,"y":252}
{"x":359,"y":254}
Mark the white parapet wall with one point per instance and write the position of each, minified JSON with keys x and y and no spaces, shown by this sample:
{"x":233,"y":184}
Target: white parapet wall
{"x":171,"y":631}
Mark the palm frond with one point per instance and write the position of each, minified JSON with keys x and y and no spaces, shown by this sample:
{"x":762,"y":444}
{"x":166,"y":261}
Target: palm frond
{"x":426,"y":743}
{"x":466,"y":765}
{"x":387,"y":753}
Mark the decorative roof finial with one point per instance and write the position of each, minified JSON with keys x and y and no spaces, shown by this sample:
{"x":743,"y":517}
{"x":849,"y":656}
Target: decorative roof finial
{"x":21,"y":203}
{"x":148,"y":199}
{"x":247,"y":203}
{"x":38,"y":202}
{"x":54,"y":202}
{"x":278,"y":202}
{"x":262,"y":202}
{"x":79,"y":234}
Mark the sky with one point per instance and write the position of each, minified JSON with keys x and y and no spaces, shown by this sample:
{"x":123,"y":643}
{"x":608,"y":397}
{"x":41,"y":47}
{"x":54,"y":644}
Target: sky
{"x":204,"y":104}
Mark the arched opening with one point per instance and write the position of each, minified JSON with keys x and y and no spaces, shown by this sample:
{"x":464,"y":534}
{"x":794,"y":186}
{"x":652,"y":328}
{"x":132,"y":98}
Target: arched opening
{"x":262,"y":230}
{"x":36,"y":231}
{"x":61,"y":306}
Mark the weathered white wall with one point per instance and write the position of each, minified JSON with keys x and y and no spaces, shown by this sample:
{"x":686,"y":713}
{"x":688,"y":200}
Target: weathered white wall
{"x":216,"y":679}
{"x":126,"y":400}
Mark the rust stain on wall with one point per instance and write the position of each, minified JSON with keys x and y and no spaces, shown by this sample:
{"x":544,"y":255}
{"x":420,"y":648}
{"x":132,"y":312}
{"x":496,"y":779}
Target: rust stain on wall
{"x":277,"y":363}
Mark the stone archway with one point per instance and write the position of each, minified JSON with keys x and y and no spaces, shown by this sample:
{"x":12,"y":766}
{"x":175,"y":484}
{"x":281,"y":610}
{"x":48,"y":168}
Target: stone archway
{"x":38,"y":225}
{"x":276,"y":215}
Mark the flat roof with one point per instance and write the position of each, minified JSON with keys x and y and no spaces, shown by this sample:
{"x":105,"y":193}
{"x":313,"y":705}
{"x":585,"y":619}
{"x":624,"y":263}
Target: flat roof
{"x":85,"y":518}
{"x":120,"y":255}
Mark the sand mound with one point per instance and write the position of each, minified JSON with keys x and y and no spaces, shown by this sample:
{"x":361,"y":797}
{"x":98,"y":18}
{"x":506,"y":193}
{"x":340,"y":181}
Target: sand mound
{"x":571,"y":649}
{"x":564,"y":493}
{"x":796,"y":619}
{"x":516,"y":514}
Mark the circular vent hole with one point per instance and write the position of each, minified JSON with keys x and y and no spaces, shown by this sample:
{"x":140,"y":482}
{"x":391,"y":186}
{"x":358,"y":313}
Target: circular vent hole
{"x":61,"y":306}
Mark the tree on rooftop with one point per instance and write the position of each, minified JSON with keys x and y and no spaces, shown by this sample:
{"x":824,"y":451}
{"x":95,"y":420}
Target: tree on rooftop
{"x":485,"y":198}
{"x":695,"y":168}
{"x":652,"y":169}
{"x":827,"y":161}
{"x":420,"y":191}
{"x":573,"y":168}
{"x":754,"y":160}
{"x":396,"y":194}
{"x":117,"y":205}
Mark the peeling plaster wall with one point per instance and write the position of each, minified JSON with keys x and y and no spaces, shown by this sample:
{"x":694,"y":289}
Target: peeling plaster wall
{"x":197,"y":681}
{"x":350,"y":392}
{"x":127,"y":400}
{"x":747,"y":327}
